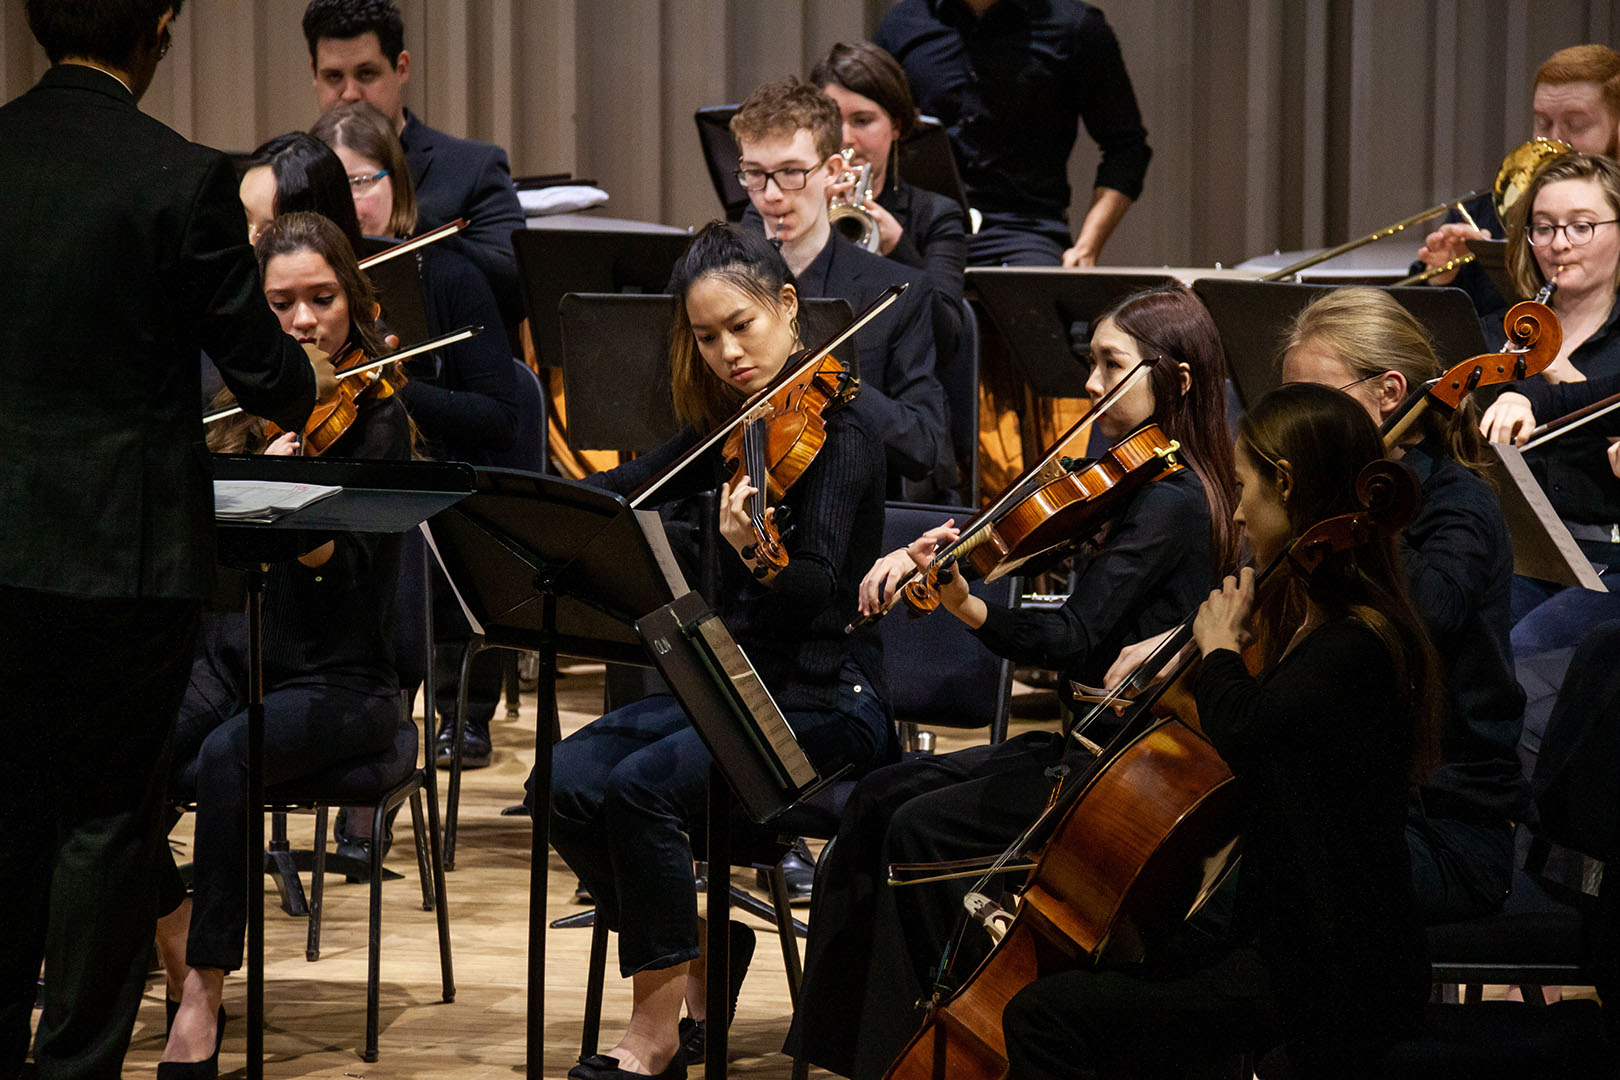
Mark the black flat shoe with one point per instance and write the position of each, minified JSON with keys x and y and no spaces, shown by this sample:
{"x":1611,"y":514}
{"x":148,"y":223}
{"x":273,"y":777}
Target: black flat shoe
{"x":694,"y":1034}
{"x":475,"y":746}
{"x":602,"y":1067}
{"x":206,"y":1069}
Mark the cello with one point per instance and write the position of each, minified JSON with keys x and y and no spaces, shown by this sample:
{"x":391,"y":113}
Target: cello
{"x":1134,"y":845}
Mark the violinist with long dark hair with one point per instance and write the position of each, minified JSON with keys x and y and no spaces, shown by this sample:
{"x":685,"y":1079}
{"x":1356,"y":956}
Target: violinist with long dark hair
{"x":872,"y":947}
{"x":330,"y":687}
{"x":1326,"y":949}
{"x":630,"y":786}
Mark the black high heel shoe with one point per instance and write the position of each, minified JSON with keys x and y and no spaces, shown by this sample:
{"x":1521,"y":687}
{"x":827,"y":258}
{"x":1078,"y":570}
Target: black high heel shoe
{"x":206,"y":1069}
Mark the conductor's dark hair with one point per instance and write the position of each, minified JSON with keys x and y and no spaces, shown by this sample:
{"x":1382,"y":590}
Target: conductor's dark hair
{"x":745,"y":260}
{"x":344,"y":19}
{"x":107,"y":31}
{"x":310,"y":177}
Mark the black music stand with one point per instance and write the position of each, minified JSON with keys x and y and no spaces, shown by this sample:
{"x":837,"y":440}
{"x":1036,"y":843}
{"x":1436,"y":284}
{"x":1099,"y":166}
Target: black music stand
{"x":376,"y":497}
{"x":1253,"y":318}
{"x":615,"y":364}
{"x":925,"y":159}
{"x":1491,"y":255}
{"x":555,"y":566}
{"x":398,"y":282}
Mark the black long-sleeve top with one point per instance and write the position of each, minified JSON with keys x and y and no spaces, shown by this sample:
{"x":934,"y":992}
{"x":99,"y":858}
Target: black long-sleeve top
{"x":1574,"y":469}
{"x":1319,"y":745}
{"x":1459,"y":565}
{"x":1152,"y":570}
{"x":1012,"y":87}
{"x":334,"y":624}
{"x":793,"y":628}
{"x":464,"y":397}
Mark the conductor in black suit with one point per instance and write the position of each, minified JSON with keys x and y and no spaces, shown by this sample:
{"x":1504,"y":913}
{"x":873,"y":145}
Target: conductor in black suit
{"x":124,"y":255}
{"x":357,"y":53}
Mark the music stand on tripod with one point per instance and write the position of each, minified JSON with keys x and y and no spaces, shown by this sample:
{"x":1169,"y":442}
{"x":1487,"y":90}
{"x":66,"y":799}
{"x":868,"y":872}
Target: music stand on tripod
{"x":558,"y":567}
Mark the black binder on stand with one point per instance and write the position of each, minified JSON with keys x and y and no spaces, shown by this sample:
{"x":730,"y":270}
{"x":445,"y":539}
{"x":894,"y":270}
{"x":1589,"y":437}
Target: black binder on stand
{"x":373,"y":497}
{"x":555,"y":566}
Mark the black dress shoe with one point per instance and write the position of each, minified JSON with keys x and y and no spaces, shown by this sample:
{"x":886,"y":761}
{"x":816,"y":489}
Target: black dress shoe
{"x":694,"y":1034}
{"x":602,"y":1067}
{"x":475,"y":744}
{"x":799,"y":868}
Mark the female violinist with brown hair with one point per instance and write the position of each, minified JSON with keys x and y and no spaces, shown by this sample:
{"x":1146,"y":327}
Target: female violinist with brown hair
{"x":330,"y":687}
{"x":1326,"y":949}
{"x":630,"y":786}
{"x":1459,"y":566}
{"x":871,"y":947}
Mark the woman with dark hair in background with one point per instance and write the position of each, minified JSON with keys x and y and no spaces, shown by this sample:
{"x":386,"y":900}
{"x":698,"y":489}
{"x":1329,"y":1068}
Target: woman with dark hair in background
{"x":1326,"y":949}
{"x":871,"y":947}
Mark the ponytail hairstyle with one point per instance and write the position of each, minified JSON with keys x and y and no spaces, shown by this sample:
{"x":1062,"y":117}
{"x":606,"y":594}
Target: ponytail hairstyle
{"x":1326,"y":437}
{"x":1172,"y":323}
{"x":1371,"y":333}
{"x":749,"y":263}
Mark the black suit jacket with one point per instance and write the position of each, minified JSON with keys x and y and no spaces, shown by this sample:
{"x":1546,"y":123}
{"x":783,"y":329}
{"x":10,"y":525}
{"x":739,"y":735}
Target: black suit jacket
{"x":465,"y":178}
{"x":125,"y":253}
{"x":896,"y":357}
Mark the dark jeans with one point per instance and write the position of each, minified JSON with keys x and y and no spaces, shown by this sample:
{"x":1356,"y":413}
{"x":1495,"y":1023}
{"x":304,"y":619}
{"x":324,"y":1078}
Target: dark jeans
{"x":1014,"y":240}
{"x":629,"y":788}
{"x":1460,"y":869}
{"x":93,"y":685}
{"x":306,"y":728}
{"x":1549,"y":622}
{"x":872,"y":947}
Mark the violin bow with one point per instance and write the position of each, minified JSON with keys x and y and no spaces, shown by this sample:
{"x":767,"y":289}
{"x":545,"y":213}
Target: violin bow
{"x":761,"y":396}
{"x":1563,"y":425}
{"x":991,"y":513}
{"x":371,"y":365}
{"x":421,"y":240}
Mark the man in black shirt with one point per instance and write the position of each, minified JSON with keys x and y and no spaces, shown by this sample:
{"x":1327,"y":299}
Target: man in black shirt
{"x":1011,"y":80}
{"x":357,"y":53}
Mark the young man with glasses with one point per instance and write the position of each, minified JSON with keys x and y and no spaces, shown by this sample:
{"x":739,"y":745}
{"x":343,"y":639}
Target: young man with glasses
{"x":789,"y":134}
{"x":125,"y":257}
{"x":357,"y":53}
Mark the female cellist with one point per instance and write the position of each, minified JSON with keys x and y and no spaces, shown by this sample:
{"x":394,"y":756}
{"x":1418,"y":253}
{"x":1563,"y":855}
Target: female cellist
{"x":330,"y":689}
{"x":1326,"y":949}
{"x":871,"y":947}
{"x":1459,"y":566}
{"x":629,"y":786}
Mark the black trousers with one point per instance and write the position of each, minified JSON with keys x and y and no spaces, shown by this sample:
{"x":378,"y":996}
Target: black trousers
{"x":306,"y":728}
{"x":873,"y":947}
{"x":93,"y":685}
{"x":1017,"y":240}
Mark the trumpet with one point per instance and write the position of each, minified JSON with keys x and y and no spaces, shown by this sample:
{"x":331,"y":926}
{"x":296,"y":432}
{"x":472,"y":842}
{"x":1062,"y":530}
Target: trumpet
{"x":848,"y":214}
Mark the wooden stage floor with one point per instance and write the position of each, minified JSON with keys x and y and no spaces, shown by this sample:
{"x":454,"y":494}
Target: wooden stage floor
{"x":315,"y":1013}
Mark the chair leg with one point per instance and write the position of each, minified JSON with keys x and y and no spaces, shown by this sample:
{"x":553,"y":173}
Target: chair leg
{"x":374,"y":939}
{"x":784,"y":931}
{"x":591,"y":1027}
{"x":424,"y":872}
{"x":441,"y":906}
{"x":317,"y":888}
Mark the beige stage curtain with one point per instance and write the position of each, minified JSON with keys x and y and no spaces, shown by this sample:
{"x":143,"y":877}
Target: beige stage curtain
{"x":1274,"y":123}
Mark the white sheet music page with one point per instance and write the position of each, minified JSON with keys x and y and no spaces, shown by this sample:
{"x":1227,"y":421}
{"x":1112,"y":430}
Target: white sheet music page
{"x":264,"y":501}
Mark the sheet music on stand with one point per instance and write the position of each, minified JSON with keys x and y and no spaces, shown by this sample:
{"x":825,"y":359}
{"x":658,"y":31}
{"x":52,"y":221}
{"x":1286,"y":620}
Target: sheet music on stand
{"x":1542,"y":546}
{"x":263,"y":501}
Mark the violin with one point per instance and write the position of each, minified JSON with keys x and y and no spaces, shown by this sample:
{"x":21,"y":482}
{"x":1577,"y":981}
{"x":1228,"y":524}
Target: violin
{"x":1134,"y":846}
{"x":776,"y":443}
{"x":1534,"y":336}
{"x":1039,"y":512}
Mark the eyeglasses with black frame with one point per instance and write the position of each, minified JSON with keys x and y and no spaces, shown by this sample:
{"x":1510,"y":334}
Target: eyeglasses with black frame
{"x":792,"y":178}
{"x":1541,"y":233}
